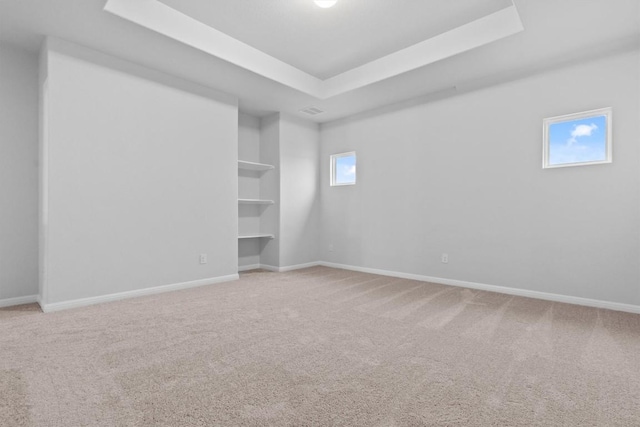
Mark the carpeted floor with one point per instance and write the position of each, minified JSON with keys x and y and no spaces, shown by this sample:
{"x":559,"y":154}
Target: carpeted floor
{"x":320,"y":347}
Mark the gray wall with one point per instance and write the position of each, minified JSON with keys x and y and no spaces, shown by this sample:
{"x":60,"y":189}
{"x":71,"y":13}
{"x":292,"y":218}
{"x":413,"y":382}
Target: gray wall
{"x":299,"y":191}
{"x":270,"y":189}
{"x":460,"y":176}
{"x":463,"y":176}
{"x":18,"y":173}
{"x":141,"y":179}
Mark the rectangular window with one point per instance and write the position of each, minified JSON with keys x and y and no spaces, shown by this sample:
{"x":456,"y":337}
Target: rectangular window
{"x":577,"y":139}
{"x":343,"y":169}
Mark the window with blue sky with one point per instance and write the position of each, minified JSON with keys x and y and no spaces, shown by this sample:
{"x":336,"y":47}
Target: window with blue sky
{"x":575,"y":139}
{"x":343,"y":169}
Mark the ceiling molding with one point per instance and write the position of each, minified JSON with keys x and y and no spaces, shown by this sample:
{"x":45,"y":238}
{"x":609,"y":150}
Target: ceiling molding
{"x":165,"y":20}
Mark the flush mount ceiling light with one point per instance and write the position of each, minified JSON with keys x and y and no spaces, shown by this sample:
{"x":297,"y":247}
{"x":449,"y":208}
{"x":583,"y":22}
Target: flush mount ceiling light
{"x":325,"y":3}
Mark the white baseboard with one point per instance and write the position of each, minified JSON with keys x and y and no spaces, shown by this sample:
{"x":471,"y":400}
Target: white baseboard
{"x":629,"y":308}
{"x":10,"y":302}
{"x":289,"y":267}
{"x":82,"y":302}
{"x":298,"y":266}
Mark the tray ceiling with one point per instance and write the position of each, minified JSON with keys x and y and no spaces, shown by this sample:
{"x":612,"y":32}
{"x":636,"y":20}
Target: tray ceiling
{"x":158,"y":16}
{"x":328,"y":42}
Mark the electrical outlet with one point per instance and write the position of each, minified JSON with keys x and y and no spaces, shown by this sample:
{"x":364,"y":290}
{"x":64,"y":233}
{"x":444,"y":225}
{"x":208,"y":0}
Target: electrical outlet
{"x":203,"y":258}
{"x":331,"y":247}
{"x":445,"y":258}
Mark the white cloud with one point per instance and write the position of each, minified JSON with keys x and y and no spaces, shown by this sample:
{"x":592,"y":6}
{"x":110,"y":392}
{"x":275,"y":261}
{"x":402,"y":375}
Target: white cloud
{"x":581,"y":130}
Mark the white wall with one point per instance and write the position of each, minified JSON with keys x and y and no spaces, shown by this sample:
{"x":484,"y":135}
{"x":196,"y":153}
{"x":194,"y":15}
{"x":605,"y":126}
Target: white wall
{"x":463,"y":176}
{"x":299,"y":191}
{"x":270,"y":189}
{"x":292,"y":146}
{"x":142,"y":178}
{"x":18,"y":173}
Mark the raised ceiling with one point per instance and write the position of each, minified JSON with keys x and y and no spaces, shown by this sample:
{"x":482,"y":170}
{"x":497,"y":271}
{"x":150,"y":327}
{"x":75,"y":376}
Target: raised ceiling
{"x":358,"y":32}
{"x":327,"y":42}
{"x":157,"y":16}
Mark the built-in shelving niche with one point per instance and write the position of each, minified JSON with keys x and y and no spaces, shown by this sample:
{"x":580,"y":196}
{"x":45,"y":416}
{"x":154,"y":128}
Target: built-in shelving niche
{"x":251,"y":237}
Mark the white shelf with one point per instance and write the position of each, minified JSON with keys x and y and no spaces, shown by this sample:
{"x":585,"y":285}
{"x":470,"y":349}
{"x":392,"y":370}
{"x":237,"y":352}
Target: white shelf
{"x":254,"y":166}
{"x":257,"y":236}
{"x":255,"y":202}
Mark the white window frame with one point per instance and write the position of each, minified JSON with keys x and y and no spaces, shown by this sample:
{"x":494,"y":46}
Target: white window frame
{"x":546,"y":125}
{"x":332,"y":172}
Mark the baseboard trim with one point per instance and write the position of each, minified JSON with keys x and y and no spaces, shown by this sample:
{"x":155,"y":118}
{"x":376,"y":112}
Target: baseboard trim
{"x":82,"y":302}
{"x":289,"y":267}
{"x":629,"y":308}
{"x":10,"y":302}
{"x":298,"y":266}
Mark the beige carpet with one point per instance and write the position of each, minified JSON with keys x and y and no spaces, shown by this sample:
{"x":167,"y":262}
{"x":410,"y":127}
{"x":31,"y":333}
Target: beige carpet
{"x":320,"y":347}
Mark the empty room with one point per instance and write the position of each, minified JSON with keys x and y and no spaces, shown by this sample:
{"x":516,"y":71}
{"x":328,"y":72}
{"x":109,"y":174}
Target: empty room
{"x":319,"y":213}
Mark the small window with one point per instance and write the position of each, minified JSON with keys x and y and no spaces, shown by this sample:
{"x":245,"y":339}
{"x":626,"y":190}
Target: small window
{"x":577,"y":139}
{"x":343,"y":169}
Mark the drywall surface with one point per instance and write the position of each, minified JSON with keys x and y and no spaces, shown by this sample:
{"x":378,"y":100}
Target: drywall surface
{"x":248,"y":138}
{"x":18,"y":173}
{"x":270,"y":189}
{"x":463,"y":176}
{"x":248,"y":188}
{"x":141,"y":179}
{"x":299,"y":191}
{"x":43,"y":102}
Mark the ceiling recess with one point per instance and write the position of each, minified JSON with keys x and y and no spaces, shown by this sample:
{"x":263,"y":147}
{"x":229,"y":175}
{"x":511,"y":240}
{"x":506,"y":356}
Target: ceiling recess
{"x":157,"y":16}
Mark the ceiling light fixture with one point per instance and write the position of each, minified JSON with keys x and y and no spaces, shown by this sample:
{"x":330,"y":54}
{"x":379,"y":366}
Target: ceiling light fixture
{"x":325,"y":3}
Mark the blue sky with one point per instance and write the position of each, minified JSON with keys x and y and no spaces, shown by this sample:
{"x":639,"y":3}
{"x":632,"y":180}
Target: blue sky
{"x":580,"y":140}
{"x":345,"y":169}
